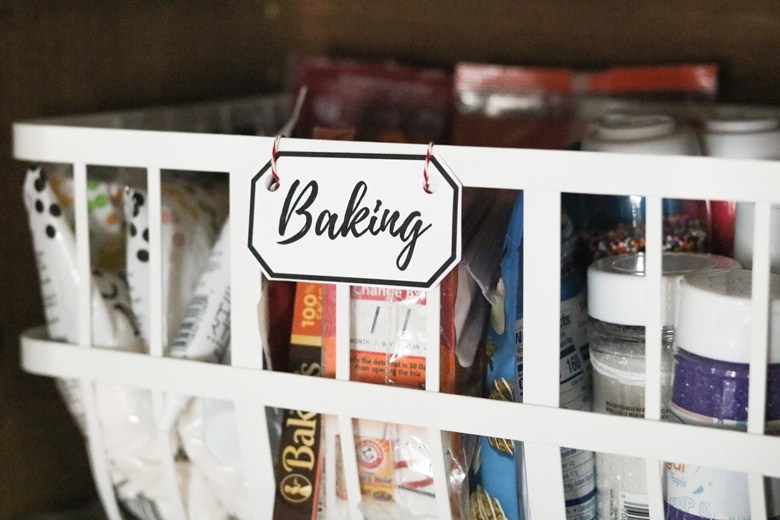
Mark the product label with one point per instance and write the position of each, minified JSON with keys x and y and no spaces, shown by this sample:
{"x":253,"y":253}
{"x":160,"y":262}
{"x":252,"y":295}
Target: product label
{"x":574,"y":323}
{"x":376,"y":469}
{"x":632,"y":506}
{"x":395,"y":217}
{"x":579,"y":479}
{"x":388,"y":336}
{"x":711,"y":493}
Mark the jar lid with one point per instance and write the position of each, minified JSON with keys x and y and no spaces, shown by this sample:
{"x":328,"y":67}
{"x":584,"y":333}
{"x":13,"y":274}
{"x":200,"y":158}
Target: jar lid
{"x":715,"y":315}
{"x":655,"y":134}
{"x":740,"y":124}
{"x":616,"y":285}
{"x":742,"y":136}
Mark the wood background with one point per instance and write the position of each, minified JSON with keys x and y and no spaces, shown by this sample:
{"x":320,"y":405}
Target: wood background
{"x":66,"y":56}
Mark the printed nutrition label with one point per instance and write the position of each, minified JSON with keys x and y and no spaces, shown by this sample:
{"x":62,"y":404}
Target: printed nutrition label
{"x":388,"y":339}
{"x":579,"y":478}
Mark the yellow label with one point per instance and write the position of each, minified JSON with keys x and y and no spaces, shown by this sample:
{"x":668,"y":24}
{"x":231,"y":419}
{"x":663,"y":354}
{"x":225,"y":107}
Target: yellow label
{"x":376,"y":469}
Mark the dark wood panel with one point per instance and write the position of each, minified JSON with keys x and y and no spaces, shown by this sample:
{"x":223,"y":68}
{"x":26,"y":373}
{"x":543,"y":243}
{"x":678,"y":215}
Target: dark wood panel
{"x":69,"y":57}
{"x":742,"y":37}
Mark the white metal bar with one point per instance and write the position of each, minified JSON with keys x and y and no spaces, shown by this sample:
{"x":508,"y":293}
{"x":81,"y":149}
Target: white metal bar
{"x":543,"y":170}
{"x":350,"y":466}
{"x":757,"y":382}
{"x":440,"y":477}
{"x":760,"y":324}
{"x":331,"y":425}
{"x":653,"y":342}
{"x":245,"y":315}
{"x":653,"y":270}
{"x":540,"y":424}
{"x":97,"y":453}
{"x":346,"y":429}
{"x":83,"y":253}
{"x":95,"y":446}
{"x":433,"y":384}
{"x":542,"y":286}
{"x":545,"y":481}
{"x":654,"y":472}
{"x":343,"y":324}
{"x":158,"y":334}
{"x":541,"y":343}
{"x":757,"y":495}
{"x":432,"y":339}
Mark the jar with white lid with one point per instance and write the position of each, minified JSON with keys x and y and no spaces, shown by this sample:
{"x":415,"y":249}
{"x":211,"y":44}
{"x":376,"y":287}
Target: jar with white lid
{"x":711,"y":373}
{"x":740,"y":135}
{"x":615,"y":224}
{"x":616,"y":305}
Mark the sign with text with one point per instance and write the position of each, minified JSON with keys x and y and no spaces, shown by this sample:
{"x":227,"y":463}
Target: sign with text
{"x":356,"y":218}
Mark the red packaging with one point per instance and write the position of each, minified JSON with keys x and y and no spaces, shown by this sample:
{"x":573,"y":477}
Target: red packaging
{"x":382,"y":101}
{"x":527,"y":107}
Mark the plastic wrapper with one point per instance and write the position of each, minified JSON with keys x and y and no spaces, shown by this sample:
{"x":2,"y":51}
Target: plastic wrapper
{"x":114,"y":325}
{"x":388,"y":346}
{"x":395,"y":472}
{"x":128,"y":422}
{"x":192,"y":216}
{"x":222,"y":471}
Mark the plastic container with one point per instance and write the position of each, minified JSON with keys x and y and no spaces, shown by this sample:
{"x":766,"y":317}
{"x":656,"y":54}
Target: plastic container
{"x":616,"y":304}
{"x":742,"y":136}
{"x":711,"y":375}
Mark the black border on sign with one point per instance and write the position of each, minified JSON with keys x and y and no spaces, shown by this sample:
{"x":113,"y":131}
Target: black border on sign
{"x":354,"y":281}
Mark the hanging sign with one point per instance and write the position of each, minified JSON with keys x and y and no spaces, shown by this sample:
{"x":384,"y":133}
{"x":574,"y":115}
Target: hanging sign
{"x":371,"y":219}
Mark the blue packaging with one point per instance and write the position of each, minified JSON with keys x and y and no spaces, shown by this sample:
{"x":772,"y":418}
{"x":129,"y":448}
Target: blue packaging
{"x":499,"y":472}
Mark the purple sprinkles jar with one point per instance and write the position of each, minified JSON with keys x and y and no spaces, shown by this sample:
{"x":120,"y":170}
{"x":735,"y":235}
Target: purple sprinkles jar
{"x":710,"y":388}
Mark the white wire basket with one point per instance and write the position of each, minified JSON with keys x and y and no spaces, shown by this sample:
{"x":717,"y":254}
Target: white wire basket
{"x":119,"y":140}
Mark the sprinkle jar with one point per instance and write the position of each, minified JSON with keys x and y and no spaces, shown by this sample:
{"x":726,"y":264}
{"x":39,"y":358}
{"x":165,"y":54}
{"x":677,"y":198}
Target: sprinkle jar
{"x":711,"y":370}
{"x":615,"y":224}
{"x":616,"y":305}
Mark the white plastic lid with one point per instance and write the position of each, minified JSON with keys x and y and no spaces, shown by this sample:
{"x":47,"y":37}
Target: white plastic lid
{"x":616,"y":285}
{"x":715,"y":316}
{"x":220,"y":431}
{"x":654,"y":134}
{"x":742,"y":136}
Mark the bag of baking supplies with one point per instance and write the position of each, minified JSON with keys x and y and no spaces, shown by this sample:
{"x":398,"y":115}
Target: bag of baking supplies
{"x":55,"y":250}
{"x":192,"y":214}
{"x":207,"y":427}
{"x":195,"y":272}
{"x":51,"y":226}
{"x":126,"y":415}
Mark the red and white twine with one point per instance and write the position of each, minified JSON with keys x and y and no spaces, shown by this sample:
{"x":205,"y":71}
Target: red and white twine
{"x":426,"y":179}
{"x":274,"y":155}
